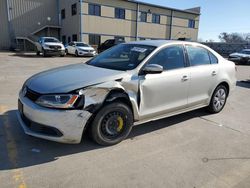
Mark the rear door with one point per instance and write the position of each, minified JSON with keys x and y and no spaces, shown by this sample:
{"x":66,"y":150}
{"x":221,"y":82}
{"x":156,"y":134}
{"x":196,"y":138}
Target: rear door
{"x":204,"y":74}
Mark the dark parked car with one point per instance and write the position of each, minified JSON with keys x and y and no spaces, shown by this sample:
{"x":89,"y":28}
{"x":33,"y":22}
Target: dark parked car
{"x":109,"y":43}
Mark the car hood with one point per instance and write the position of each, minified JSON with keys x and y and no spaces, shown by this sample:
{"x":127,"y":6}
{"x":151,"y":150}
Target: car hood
{"x":53,"y":43}
{"x":85,"y":48}
{"x":68,"y":78}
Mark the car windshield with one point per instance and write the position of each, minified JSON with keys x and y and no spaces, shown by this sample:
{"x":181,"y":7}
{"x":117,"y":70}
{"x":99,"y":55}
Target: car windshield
{"x":122,"y":57}
{"x":245,"y":52}
{"x":51,"y":40}
{"x":82,"y":45}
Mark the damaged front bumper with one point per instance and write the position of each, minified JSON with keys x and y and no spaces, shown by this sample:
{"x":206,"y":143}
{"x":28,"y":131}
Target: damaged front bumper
{"x":65,"y":126}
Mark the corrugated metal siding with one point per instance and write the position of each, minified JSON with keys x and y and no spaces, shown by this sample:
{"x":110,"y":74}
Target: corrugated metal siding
{"x":4,"y":32}
{"x":26,"y":16}
{"x":30,"y":15}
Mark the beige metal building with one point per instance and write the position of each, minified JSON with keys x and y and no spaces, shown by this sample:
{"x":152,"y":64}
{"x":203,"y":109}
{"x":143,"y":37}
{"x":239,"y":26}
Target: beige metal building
{"x":92,"y":21}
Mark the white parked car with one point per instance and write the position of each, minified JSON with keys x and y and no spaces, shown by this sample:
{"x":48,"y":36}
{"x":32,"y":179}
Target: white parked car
{"x":240,"y":57}
{"x":80,"y":49}
{"x":50,"y":46}
{"x":129,"y":84}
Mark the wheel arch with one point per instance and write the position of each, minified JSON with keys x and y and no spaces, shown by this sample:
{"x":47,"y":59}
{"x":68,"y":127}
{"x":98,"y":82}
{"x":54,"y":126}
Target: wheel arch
{"x":114,"y":95}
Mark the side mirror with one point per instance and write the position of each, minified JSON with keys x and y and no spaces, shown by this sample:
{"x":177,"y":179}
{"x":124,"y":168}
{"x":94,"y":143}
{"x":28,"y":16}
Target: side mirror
{"x":152,"y":69}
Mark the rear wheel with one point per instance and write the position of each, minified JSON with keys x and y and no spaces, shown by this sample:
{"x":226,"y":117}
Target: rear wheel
{"x":218,"y":99}
{"x":37,"y":53}
{"x":112,"y":124}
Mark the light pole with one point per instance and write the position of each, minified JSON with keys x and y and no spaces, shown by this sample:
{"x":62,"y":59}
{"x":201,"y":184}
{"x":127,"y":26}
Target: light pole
{"x":49,"y":19}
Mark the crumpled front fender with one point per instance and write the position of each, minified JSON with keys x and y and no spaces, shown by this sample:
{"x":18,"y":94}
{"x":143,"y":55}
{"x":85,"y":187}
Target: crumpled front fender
{"x":97,"y":94}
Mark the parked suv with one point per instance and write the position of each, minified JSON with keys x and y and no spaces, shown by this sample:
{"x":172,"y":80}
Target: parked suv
{"x":130,"y":84}
{"x":50,"y":46}
{"x":109,"y":43}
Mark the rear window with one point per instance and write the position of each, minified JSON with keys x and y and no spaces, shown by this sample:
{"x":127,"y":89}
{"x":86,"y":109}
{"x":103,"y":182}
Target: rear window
{"x":197,"y":56}
{"x":213,"y":58}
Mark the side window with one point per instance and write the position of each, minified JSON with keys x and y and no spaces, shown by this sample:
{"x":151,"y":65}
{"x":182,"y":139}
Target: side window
{"x":169,"y":58}
{"x":197,"y":56}
{"x":94,"y":39}
{"x":94,"y":10}
{"x":63,"y":14}
{"x":73,"y":9}
{"x":213,"y":58}
{"x":120,"y":13}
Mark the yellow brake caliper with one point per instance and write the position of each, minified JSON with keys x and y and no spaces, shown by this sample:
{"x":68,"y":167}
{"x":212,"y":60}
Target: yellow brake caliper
{"x":120,"y":124}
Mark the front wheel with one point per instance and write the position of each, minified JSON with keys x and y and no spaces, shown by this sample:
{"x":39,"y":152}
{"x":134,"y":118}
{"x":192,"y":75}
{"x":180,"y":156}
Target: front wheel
{"x":218,"y":99}
{"x":44,"y":53}
{"x":112,"y":124}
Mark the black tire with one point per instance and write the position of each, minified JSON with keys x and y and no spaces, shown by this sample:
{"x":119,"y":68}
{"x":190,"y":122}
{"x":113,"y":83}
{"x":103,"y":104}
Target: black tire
{"x":44,"y":53}
{"x":106,"y":128}
{"x":37,"y":53}
{"x":218,"y":100}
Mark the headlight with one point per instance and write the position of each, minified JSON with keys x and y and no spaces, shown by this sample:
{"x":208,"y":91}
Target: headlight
{"x":65,"y":101}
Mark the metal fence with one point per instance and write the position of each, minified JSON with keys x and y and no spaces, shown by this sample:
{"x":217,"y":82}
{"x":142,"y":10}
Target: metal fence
{"x":227,"y":48}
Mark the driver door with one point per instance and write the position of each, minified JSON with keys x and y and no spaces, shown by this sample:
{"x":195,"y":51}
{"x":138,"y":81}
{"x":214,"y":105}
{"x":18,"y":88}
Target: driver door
{"x":168,"y":91}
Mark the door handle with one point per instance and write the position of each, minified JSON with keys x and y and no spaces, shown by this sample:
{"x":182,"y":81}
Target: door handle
{"x":214,"y":73}
{"x":184,"y":78}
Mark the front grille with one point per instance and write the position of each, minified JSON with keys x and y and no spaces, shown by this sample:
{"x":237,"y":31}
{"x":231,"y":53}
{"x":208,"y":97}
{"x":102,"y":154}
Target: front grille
{"x":55,"y":47}
{"x":89,"y":51}
{"x":32,"y":95}
{"x":41,"y":129}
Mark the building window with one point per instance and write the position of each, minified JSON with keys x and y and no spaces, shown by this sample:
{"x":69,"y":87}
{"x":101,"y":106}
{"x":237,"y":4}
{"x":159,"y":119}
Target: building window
{"x":120,"y":13}
{"x":69,"y":39}
{"x":191,"y":23}
{"x":144,"y":16}
{"x":156,"y":18}
{"x":64,"y":39}
{"x":94,"y":39}
{"x":73,"y":9}
{"x":94,"y":10}
{"x":63,"y":14}
{"x":74,"y":37}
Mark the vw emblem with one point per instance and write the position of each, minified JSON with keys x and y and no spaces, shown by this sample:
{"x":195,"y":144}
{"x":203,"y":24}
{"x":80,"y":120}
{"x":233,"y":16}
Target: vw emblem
{"x":24,"y":91}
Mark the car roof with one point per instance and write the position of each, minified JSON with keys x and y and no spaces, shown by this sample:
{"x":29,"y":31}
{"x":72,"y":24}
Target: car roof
{"x":158,"y":43}
{"x":248,"y":50}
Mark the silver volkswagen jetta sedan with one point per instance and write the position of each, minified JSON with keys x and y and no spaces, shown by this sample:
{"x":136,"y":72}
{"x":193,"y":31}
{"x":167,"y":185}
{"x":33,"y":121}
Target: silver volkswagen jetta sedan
{"x":129,"y":84}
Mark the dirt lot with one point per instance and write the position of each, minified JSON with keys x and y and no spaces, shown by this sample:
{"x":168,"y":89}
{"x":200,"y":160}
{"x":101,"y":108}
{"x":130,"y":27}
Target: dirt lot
{"x":189,"y":150}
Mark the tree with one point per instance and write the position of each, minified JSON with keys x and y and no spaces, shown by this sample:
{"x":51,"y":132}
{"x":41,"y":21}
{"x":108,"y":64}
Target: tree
{"x":234,"y":37}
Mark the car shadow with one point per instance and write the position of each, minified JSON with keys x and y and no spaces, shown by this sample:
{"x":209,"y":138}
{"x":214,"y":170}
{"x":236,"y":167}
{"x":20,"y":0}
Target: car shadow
{"x":29,"y":55}
{"x":18,"y":150}
{"x":33,"y":55}
{"x":244,"y":83}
